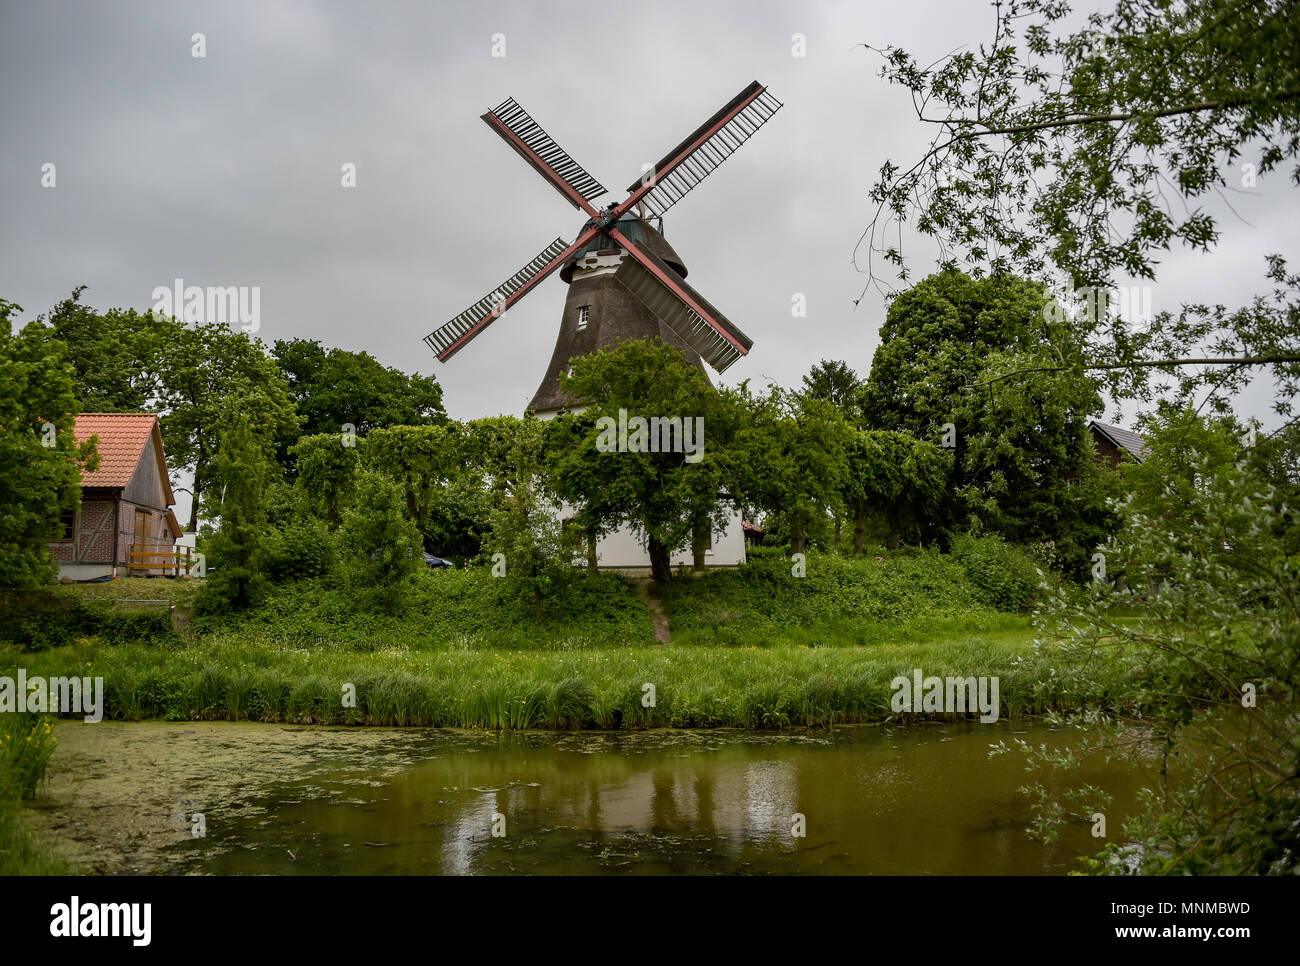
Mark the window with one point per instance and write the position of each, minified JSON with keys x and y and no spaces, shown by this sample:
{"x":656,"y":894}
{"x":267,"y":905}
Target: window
{"x":67,"y":522}
{"x":583,"y":311}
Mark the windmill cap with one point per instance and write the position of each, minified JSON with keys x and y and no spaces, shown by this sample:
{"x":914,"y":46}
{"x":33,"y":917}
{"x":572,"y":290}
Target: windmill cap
{"x":639,"y":231}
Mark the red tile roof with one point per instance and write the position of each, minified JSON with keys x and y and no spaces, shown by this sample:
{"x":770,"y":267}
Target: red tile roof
{"x":122,"y":440}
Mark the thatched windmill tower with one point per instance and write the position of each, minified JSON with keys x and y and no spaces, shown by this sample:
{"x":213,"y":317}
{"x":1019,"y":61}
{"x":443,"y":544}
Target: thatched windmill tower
{"x":625,"y":280}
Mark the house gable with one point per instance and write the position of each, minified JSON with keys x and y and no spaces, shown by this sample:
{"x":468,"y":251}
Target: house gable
{"x":149,"y":485}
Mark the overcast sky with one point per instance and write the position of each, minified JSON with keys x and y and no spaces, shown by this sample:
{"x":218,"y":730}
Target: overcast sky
{"x":225,"y":169}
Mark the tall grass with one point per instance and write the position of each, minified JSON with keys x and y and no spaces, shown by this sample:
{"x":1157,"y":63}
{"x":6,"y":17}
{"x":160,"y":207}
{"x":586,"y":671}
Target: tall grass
{"x":744,"y":687}
{"x":26,"y":744}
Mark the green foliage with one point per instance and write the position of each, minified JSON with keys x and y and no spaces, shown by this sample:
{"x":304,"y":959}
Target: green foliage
{"x":1089,"y":146}
{"x":37,"y":406}
{"x":26,"y":744}
{"x":790,"y":458}
{"x":1210,"y":591}
{"x":660,"y":495}
{"x":238,"y":550}
{"x":332,"y":387}
{"x":303,"y":548}
{"x":40,"y":619}
{"x":205,"y":369}
{"x":456,"y":609}
{"x":898,"y":478}
{"x":118,"y":356}
{"x":835,"y":383}
{"x":380,"y":544}
{"x":1181,"y":444}
{"x":1022,"y":463}
{"x":423,"y":461}
{"x":531,"y":550}
{"x":325,"y":464}
{"x":1004,"y":576}
{"x":497,"y":688}
{"x":859,"y":601}
{"x":1062,"y":140}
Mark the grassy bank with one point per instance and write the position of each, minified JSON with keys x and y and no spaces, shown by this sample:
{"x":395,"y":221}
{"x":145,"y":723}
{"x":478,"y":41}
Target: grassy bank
{"x":693,"y":687}
{"x":913,"y":596}
{"x":755,"y":647}
{"x":906,"y":596}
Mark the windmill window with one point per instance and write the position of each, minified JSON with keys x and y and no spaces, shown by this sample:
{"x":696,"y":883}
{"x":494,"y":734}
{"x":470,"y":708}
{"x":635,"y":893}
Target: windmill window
{"x":582,"y":316}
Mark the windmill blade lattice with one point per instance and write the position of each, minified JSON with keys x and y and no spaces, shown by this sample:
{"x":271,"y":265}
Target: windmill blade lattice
{"x":447,"y":339}
{"x":673,"y":181}
{"x":547,"y":154}
{"x":684,"y":310}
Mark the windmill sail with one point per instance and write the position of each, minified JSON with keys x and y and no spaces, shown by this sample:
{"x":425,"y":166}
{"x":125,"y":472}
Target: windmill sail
{"x":534,"y":145}
{"x":697,"y":157}
{"x":451,"y":337}
{"x":700,"y":325}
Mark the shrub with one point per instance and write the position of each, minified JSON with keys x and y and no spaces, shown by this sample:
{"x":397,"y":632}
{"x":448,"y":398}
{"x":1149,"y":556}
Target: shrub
{"x":1004,"y":576}
{"x":302,"y":549}
{"x":65,"y":620}
{"x":26,"y":744}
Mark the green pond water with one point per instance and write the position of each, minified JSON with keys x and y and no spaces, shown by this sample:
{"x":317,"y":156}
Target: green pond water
{"x":122,"y":798}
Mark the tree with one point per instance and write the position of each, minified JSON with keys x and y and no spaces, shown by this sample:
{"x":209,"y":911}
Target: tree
{"x":326,"y":467}
{"x":118,"y":356}
{"x":379,"y":541}
{"x":242,"y":473}
{"x":792,"y":458}
{"x":208,"y":365}
{"x":1090,"y":152}
{"x":1211,"y":629}
{"x":898,"y":477}
{"x":41,"y":458}
{"x":424,"y":461}
{"x":538,"y":552}
{"x":1022,"y":463}
{"x":334,"y":387}
{"x":835,"y":383}
{"x":616,"y":466}
{"x":1181,"y":444}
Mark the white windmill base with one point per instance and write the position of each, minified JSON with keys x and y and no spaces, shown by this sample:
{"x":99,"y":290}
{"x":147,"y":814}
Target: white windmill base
{"x":624,"y":550}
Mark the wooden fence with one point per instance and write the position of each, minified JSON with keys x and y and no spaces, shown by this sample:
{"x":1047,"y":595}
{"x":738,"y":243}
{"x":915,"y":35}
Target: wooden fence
{"x":160,"y":562}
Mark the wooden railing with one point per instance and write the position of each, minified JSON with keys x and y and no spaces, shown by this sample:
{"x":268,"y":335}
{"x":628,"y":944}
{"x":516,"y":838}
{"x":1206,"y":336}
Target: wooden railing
{"x":160,"y":561}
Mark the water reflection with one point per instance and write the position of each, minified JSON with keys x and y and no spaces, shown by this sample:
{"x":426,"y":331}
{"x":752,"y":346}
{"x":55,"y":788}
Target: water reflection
{"x":926,"y":800}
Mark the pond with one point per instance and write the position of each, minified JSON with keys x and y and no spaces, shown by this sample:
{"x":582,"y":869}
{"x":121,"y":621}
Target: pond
{"x":279,"y":799}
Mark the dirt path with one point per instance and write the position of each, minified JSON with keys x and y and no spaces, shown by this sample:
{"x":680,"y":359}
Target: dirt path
{"x":645,"y":590}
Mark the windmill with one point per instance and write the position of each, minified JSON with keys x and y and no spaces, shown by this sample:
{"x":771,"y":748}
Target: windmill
{"x":625,"y":280}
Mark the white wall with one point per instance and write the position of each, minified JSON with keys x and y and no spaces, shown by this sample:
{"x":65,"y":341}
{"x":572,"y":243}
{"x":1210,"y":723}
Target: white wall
{"x":624,"y":549}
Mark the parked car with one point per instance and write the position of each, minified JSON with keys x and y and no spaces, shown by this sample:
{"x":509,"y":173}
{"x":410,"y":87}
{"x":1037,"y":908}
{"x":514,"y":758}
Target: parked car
{"x":431,"y":561}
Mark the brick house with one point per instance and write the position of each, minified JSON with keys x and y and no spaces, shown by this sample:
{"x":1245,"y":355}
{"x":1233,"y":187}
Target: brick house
{"x":125,"y":504}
